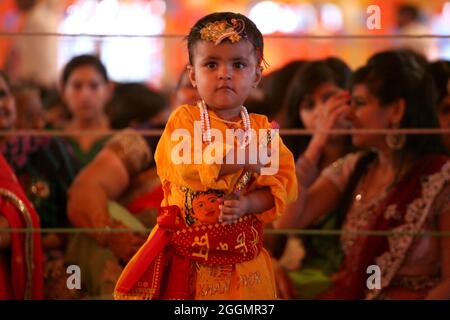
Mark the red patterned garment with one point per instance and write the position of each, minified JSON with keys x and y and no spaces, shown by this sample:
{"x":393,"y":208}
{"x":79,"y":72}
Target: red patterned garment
{"x":21,"y":274}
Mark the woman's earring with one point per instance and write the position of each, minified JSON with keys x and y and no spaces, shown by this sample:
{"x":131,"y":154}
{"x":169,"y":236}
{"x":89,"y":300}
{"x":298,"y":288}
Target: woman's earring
{"x":395,"y":141}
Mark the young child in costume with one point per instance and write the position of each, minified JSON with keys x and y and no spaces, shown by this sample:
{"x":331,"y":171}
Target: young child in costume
{"x":208,"y":241}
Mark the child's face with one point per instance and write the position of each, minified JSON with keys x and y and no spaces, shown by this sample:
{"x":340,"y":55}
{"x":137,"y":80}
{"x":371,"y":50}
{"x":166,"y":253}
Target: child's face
{"x":224,"y":74}
{"x":206,"y":208}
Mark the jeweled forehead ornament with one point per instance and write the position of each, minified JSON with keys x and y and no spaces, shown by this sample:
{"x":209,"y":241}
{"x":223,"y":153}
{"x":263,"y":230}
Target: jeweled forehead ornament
{"x":219,"y":30}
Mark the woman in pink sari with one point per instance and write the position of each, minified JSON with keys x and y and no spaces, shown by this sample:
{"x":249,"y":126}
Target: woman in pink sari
{"x":401,"y":184}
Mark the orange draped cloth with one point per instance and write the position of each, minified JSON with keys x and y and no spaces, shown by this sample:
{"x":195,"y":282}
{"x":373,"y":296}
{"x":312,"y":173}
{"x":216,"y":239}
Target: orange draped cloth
{"x":21,"y":274}
{"x":144,"y":277}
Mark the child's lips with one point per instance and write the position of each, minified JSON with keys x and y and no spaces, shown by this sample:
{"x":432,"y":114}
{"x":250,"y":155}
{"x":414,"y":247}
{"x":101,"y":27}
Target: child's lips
{"x":225,"y":88}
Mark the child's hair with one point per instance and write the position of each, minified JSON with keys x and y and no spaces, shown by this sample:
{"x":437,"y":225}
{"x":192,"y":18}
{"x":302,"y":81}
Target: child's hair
{"x":250,"y":32}
{"x":82,"y":61}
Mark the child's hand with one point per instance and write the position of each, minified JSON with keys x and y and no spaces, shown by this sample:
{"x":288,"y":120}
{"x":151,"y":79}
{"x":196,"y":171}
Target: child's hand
{"x":232,"y":210}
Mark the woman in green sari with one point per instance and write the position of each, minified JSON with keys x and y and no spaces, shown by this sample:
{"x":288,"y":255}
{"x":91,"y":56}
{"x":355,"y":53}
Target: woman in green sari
{"x":118,"y":189}
{"x":86,"y":90}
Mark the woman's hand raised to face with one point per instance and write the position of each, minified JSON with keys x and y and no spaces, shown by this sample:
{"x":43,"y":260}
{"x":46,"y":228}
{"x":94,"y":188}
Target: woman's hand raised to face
{"x":330,"y":114}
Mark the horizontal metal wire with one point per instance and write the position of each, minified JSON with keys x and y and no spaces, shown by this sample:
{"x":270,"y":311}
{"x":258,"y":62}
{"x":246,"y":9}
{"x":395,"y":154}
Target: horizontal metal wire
{"x":267,"y":231}
{"x":274,"y":36}
{"x":284,"y":132}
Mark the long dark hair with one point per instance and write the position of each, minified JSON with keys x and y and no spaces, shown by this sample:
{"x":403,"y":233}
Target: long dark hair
{"x":440,"y":71}
{"x":307,"y":79}
{"x":394,"y":75}
{"x":275,"y":86}
{"x":389,"y":76}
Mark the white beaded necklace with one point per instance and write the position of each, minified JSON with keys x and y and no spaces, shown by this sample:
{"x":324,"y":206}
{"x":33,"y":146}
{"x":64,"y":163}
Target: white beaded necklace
{"x":206,"y":124}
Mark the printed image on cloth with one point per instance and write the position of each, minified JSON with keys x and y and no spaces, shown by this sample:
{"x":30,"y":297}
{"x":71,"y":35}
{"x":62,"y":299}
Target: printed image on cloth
{"x":213,"y":280}
{"x":201,"y":207}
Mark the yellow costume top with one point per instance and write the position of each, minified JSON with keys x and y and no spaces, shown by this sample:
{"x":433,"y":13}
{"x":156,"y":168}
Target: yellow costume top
{"x":195,"y":187}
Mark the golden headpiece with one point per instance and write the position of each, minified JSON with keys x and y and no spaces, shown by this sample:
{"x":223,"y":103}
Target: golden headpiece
{"x":219,"y":30}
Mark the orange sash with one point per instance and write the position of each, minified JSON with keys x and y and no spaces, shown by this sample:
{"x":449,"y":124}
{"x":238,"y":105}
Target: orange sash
{"x":164,"y":268}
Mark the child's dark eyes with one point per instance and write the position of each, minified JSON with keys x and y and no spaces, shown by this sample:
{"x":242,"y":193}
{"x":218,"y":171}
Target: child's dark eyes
{"x":210,"y":65}
{"x":239,"y":65}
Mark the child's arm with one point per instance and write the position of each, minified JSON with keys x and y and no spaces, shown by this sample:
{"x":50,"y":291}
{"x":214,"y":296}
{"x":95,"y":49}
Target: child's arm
{"x":226,"y":168}
{"x":256,"y":201}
